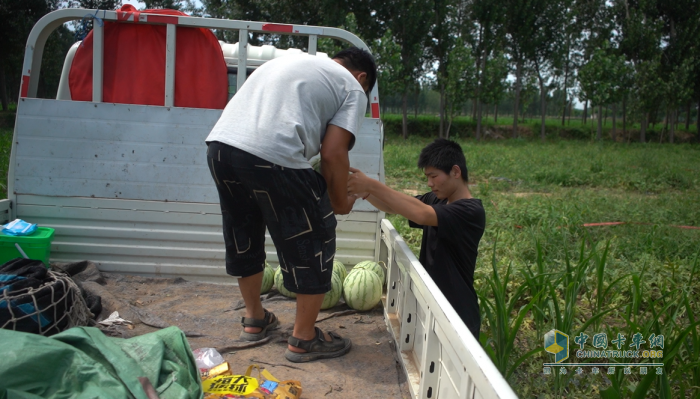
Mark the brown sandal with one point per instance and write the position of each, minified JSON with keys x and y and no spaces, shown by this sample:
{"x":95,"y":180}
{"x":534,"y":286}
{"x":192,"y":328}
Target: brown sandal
{"x":318,"y":348}
{"x":269,"y":322}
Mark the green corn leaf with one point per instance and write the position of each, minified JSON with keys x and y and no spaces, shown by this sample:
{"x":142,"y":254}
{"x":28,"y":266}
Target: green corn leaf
{"x":521,"y":359}
{"x":610,"y":393}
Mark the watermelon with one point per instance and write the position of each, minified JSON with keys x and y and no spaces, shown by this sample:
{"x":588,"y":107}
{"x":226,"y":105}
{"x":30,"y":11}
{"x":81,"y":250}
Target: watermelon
{"x":279,"y":283}
{"x":340,"y":270}
{"x":333,"y":296}
{"x":373,"y":266}
{"x":268,"y":279}
{"x":362,"y":289}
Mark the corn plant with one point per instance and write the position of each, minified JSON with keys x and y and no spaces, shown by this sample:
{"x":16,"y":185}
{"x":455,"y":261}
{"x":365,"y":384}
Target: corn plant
{"x":537,"y":284}
{"x":571,"y":282}
{"x":673,"y":304}
{"x":602,"y":292}
{"x":504,"y":328}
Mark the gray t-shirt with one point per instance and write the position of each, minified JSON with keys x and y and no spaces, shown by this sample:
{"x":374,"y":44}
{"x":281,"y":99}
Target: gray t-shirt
{"x":281,"y":112}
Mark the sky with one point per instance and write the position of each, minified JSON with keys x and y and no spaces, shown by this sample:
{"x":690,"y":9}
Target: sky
{"x":137,"y":4}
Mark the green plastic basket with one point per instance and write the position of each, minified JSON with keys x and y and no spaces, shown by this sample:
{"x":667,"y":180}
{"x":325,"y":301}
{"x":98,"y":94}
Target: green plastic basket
{"x":36,"y":245}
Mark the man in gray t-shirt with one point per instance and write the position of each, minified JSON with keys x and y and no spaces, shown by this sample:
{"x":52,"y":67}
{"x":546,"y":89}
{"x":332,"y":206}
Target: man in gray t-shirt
{"x":289,"y":110}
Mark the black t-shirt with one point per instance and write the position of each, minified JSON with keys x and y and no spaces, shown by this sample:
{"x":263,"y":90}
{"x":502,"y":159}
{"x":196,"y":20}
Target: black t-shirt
{"x":448,"y":253}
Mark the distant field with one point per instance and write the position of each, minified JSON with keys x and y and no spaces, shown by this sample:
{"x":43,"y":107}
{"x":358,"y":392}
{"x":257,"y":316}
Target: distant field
{"x":537,"y":198}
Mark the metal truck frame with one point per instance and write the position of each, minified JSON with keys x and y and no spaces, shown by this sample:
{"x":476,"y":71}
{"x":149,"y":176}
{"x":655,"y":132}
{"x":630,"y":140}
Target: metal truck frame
{"x":127,"y":187}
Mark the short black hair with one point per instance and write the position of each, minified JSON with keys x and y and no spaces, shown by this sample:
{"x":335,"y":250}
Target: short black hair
{"x":357,"y":59}
{"x":443,"y":154}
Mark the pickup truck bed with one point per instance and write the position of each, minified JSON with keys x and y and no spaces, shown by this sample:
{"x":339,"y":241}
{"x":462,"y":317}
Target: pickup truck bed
{"x":208,"y":315}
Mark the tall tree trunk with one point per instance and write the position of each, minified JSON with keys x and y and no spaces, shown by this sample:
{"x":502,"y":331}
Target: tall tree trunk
{"x":449,"y":120}
{"x":585,"y":111}
{"x":624,"y":115}
{"x":697,"y":124}
{"x":517,"y":99}
{"x":614,"y":122}
{"x":415,"y":103}
{"x":643,"y":129}
{"x":479,"y":61}
{"x":672,"y":132}
{"x":599,"y":135}
{"x":563,"y":113}
{"x":605,"y":119}
{"x":442,"y":109}
{"x":404,"y":107}
{"x":566,"y":97}
{"x":479,"y":133}
{"x":571,"y":106}
{"x":479,"y":105}
{"x":3,"y":88}
{"x":687,"y":116}
{"x":543,"y":106}
{"x":495,"y":114}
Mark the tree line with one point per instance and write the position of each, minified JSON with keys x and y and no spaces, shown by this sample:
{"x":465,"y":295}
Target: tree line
{"x":638,"y":58}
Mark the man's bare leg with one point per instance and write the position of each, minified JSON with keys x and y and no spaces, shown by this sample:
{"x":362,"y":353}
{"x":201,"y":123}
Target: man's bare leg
{"x":308,"y":307}
{"x":250,"y":290}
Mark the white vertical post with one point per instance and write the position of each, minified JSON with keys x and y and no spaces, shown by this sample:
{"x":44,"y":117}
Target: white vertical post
{"x":393,"y":281}
{"x":430,"y":360}
{"x":408,"y":317}
{"x":170,"y":65}
{"x":313,"y":44}
{"x":242,"y":57}
{"x":97,"y":61}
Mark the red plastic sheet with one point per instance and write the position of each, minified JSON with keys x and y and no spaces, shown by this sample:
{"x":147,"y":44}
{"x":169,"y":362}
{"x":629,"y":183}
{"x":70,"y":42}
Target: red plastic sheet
{"x":134,"y":64}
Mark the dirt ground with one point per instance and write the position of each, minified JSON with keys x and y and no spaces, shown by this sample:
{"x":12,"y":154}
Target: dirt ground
{"x":208,"y":315}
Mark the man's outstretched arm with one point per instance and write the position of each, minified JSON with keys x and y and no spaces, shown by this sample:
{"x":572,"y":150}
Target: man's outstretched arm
{"x":405,"y":205}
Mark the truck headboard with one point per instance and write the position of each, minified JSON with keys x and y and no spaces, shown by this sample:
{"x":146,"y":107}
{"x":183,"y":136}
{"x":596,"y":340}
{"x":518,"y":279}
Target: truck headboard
{"x":127,"y":186}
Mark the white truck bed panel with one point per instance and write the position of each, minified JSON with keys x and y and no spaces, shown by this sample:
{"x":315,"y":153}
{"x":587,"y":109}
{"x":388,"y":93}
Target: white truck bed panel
{"x":82,"y":149}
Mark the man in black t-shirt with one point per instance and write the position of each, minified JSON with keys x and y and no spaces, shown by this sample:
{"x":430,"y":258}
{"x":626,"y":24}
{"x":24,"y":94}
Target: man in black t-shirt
{"x":452,"y":222}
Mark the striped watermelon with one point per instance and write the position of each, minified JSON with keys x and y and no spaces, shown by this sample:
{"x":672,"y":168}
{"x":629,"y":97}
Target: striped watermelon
{"x":279,"y":283}
{"x":268,"y":279}
{"x":333,"y":296}
{"x":340,"y":270}
{"x":373,"y":266}
{"x":362,"y":289}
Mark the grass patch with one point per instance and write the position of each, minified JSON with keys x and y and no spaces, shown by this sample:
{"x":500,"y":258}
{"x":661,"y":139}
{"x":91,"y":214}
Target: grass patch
{"x":639,"y":277}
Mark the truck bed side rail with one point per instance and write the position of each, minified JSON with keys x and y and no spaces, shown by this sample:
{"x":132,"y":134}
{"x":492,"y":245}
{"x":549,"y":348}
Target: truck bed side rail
{"x":441,"y":357}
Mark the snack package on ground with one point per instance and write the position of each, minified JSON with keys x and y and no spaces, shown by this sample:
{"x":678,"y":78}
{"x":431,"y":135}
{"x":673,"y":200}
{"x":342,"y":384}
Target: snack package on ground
{"x":207,"y":358}
{"x":222,"y":369}
{"x":266,"y":386}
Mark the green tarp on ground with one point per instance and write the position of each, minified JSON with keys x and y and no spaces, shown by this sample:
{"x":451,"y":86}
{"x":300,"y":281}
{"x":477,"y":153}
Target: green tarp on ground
{"x":84,"y":363}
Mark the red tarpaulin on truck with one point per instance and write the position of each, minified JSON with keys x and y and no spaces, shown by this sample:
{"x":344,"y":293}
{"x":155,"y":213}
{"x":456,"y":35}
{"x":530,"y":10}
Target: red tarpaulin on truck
{"x":134,"y":64}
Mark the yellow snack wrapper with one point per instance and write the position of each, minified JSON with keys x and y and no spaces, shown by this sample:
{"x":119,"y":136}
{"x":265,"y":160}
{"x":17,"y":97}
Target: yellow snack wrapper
{"x":239,"y":385}
{"x":266,"y":386}
{"x":222,"y":369}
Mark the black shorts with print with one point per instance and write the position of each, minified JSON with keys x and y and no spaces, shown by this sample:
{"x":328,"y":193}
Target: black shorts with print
{"x":294,"y":206}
